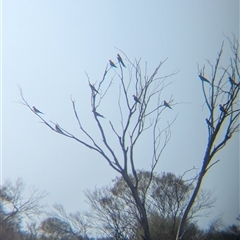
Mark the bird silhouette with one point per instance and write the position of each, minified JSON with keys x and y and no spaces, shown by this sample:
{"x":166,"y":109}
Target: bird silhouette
{"x":93,"y":88}
{"x":36,"y":110}
{"x":112,"y":63}
{"x":222,"y":109}
{"x":136,"y":99}
{"x":232,"y":81}
{"x":167,"y":105}
{"x":58,"y":129}
{"x":209,"y":123}
{"x":120,"y":60}
{"x":203,"y":78}
{"x":97,"y":114}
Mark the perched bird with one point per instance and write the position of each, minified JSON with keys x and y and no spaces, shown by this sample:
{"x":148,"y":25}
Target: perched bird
{"x":209,"y":123}
{"x":120,"y":60}
{"x":36,"y":110}
{"x":203,"y":78}
{"x":136,"y":99}
{"x":232,"y":81}
{"x":112,"y":63}
{"x":167,"y":105}
{"x":97,"y":114}
{"x":229,"y":136}
{"x":93,"y":88}
{"x":58,"y":129}
{"x":222,"y":109}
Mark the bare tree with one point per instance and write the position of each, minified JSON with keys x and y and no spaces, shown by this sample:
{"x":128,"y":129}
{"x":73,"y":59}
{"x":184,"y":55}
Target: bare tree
{"x":14,"y":207}
{"x":221,"y":96}
{"x":139,"y":105}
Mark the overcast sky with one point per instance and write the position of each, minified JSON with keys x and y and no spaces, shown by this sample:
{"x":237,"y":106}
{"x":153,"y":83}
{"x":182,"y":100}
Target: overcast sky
{"x":47,"y":46}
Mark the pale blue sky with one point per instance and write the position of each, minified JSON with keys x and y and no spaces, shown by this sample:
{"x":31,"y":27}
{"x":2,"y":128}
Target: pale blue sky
{"x":46,"y":48}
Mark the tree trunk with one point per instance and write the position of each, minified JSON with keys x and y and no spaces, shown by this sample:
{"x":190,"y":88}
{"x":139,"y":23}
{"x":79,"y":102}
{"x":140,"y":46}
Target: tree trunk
{"x":140,"y":206}
{"x":180,"y":232}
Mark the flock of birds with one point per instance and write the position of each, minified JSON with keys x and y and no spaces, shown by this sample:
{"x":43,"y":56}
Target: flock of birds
{"x":137,"y":100}
{"x":57,"y":128}
{"x":221,"y":107}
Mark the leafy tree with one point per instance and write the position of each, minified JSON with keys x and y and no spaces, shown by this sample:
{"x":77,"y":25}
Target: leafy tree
{"x":221,"y":96}
{"x":60,"y":225}
{"x":32,"y":231}
{"x":232,"y":232}
{"x":110,"y":215}
{"x":139,"y":104}
{"x":113,"y":211}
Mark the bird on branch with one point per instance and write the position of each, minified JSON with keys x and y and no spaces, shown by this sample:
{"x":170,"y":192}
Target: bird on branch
{"x":232,"y":81}
{"x":36,"y":110}
{"x":166,"y":104}
{"x":58,"y":129}
{"x":93,"y":88}
{"x":209,"y":123}
{"x":222,"y":109}
{"x":120,"y":60}
{"x":112,"y":63}
{"x":97,"y":114}
{"x":203,"y":78}
{"x":136,"y":99}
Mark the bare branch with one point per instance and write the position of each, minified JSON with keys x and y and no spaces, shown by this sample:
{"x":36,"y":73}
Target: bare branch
{"x":223,"y":120}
